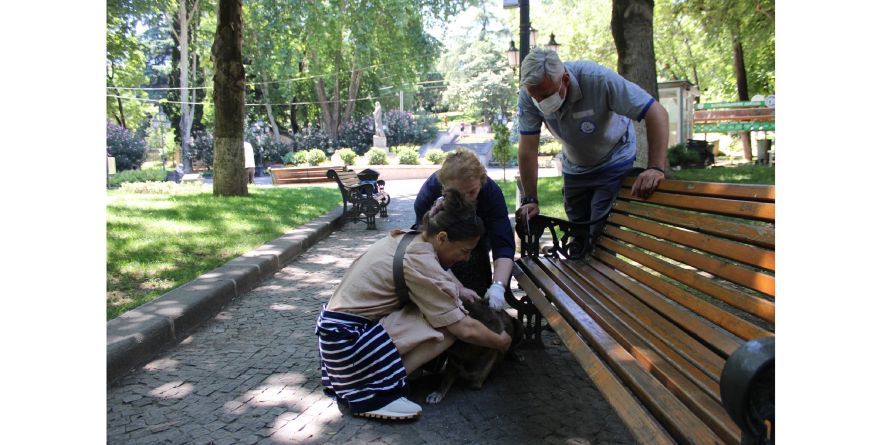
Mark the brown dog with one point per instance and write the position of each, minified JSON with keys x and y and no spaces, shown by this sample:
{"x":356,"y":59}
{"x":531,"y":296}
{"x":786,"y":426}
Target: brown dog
{"x":473,"y":363}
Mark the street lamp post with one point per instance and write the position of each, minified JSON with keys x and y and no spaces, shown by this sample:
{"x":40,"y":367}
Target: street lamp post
{"x":513,"y":55}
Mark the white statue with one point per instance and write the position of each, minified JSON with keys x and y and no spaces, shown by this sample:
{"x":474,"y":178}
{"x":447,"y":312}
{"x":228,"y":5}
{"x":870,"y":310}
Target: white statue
{"x":379,"y":130}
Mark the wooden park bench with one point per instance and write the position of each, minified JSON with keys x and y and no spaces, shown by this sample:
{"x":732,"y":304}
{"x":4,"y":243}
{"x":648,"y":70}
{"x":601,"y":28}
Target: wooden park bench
{"x":671,"y":313}
{"x":301,"y":175}
{"x":366,"y":198}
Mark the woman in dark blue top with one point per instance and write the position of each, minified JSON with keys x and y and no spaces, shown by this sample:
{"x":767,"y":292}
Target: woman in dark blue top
{"x":464,"y":172}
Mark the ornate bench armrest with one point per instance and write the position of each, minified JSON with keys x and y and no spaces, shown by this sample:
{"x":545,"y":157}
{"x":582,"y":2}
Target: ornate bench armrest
{"x":572,"y":243}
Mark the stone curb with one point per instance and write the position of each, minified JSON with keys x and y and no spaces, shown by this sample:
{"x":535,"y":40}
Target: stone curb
{"x":135,"y":337}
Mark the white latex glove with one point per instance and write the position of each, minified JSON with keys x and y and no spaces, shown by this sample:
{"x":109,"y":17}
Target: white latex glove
{"x":496,"y":296}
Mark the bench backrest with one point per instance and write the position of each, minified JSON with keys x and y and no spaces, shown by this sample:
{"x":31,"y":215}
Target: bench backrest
{"x":346,"y":178}
{"x":708,"y":247}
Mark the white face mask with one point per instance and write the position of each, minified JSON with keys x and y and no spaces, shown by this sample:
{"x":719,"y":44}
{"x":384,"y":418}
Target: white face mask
{"x":550,"y":104}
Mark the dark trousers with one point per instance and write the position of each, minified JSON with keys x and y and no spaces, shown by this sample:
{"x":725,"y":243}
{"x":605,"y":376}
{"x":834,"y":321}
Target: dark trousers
{"x":250,"y":175}
{"x":588,"y":197}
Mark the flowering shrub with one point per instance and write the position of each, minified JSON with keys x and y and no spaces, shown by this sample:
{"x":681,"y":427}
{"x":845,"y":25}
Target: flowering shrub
{"x":435,"y":155}
{"x":377,"y":156}
{"x":403,"y":128}
{"x":129,"y":152}
{"x":357,"y":135}
{"x":272,"y":152}
{"x":201,"y":149}
{"x":408,"y":156}
{"x":313,"y":137}
{"x":315,"y":157}
{"x":347,"y":156}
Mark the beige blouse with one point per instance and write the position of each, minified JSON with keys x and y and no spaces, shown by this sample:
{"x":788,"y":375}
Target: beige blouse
{"x":368,"y":290}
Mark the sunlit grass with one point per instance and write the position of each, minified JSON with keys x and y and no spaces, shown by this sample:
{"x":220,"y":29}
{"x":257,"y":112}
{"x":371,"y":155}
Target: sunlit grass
{"x":159,"y":241}
{"x":744,"y":174}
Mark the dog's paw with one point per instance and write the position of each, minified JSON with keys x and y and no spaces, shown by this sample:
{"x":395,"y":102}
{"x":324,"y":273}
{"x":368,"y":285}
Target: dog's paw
{"x":435,"y":397}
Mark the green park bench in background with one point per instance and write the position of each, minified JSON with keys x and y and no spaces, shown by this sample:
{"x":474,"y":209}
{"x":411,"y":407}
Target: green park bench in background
{"x":671,"y":313}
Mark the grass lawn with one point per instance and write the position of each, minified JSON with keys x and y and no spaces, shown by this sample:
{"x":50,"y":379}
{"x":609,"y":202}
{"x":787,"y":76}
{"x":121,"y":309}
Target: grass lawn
{"x":158,"y":241}
{"x":551,"y":198}
{"x":743,"y":174}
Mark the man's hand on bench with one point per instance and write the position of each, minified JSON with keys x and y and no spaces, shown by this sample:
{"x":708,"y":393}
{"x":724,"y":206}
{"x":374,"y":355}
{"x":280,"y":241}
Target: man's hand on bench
{"x":647,"y":182}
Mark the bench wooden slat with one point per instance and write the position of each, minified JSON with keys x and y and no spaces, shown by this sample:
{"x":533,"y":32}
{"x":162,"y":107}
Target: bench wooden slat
{"x":742,"y":276}
{"x":699,"y":362}
{"x":732,"y":323}
{"x":760,"y":235}
{"x":632,"y":325}
{"x":751,"y":304}
{"x":642,"y":425}
{"x":724,"y":343}
{"x":751,"y":255}
{"x":635,"y":327}
{"x":664,"y":405}
{"x":718,"y":189}
{"x":744,"y":209}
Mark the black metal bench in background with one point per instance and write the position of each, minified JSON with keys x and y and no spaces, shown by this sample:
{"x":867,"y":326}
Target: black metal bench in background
{"x":366,"y":198}
{"x":672,"y":312}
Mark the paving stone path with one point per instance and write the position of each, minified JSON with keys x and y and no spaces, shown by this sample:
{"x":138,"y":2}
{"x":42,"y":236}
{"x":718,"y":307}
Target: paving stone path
{"x":251,"y":375}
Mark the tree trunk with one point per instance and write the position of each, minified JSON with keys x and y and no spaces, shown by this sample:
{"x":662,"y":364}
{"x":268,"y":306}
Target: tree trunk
{"x":632,"y":31}
{"x":187,"y":111}
{"x":352,"y":92}
{"x":122,"y":115}
{"x":229,"y":82}
{"x":293,"y":115}
{"x":121,"y":120}
{"x":741,"y":83}
{"x":329,"y":114}
{"x":268,"y":109}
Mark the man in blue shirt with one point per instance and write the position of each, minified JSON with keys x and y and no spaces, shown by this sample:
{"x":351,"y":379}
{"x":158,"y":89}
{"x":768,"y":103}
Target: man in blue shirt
{"x":589,"y":109}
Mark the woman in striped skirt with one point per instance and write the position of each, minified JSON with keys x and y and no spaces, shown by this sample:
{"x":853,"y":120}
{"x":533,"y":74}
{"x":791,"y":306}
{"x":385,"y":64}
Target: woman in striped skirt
{"x":370,"y":338}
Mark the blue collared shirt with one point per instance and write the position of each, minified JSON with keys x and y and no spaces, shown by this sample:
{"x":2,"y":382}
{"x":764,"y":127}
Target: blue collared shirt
{"x":594,"y":123}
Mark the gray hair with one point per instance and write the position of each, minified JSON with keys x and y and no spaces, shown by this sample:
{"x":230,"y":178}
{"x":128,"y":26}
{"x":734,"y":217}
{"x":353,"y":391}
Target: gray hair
{"x":539,"y":63}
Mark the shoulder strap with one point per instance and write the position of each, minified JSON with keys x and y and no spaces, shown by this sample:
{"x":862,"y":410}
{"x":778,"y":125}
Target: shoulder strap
{"x":399,"y":278}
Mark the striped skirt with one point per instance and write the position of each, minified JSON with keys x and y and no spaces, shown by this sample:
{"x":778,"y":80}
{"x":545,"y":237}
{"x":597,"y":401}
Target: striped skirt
{"x":359,"y":363}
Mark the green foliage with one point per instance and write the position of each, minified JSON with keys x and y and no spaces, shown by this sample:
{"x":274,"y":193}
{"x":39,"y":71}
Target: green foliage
{"x":550,"y":148}
{"x":435,"y":155}
{"x":129,"y":151}
{"x":315,"y":157}
{"x":680,"y":155}
{"x":128,"y":176}
{"x":694,"y":39}
{"x":408,"y":156}
{"x":347,"y":156}
{"x":501,"y":150}
{"x":377,"y":156}
{"x":479,"y":80}
{"x":296,"y":157}
{"x":159,"y":241}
